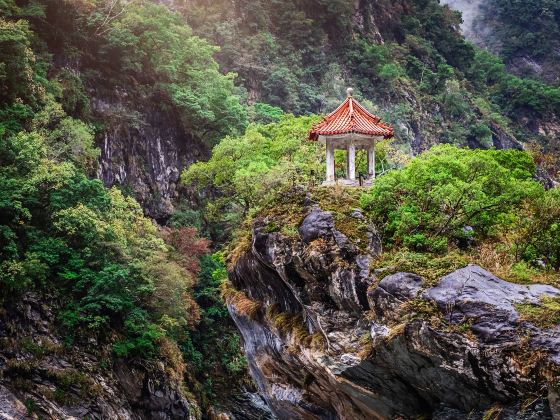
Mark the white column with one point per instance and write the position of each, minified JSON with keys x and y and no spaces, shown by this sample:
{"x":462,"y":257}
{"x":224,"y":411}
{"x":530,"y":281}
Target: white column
{"x":330,"y":161}
{"x":351,"y":161}
{"x":371,"y":161}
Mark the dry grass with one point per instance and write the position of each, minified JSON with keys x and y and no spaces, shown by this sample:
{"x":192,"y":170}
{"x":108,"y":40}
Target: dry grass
{"x":342,"y":202}
{"x":395,"y":331}
{"x":366,"y":346}
{"x":318,"y":245}
{"x":286,"y":210}
{"x":318,"y":342}
{"x":494,"y":256}
{"x":491,"y":259}
{"x":527,"y":360}
{"x":243,"y":304}
{"x":22,"y":368}
{"x":65,"y":379}
{"x":35,"y":348}
{"x":171,"y":353}
{"x":291,"y":324}
{"x":497,"y":258}
{"x":242,"y":246}
{"x":334,"y":198}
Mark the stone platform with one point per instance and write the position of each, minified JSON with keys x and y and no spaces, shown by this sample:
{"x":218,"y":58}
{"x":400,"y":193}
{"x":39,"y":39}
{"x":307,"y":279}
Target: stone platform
{"x":350,"y":182}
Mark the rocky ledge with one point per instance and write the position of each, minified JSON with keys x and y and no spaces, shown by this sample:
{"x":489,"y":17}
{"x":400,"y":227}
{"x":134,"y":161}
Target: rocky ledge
{"x":326,"y":338}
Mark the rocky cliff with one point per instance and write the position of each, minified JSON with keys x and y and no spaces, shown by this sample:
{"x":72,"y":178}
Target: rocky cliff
{"x":44,"y":375}
{"x":144,"y":149}
{"x":328,"y":338}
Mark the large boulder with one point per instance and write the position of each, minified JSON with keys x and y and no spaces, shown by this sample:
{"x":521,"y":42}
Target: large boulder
{"x":475,"y":294}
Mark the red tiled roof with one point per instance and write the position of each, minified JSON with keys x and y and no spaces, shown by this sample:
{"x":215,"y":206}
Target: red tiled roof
{"x":351,"y":117}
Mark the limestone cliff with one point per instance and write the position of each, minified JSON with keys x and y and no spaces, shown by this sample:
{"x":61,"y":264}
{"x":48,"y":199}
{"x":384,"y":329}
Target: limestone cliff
{"x":328,"y":338}
{"x":143,"y":149}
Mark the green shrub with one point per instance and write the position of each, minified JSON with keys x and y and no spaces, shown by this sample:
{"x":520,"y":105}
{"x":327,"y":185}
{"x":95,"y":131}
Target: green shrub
{"x":432,"y":200}
{"x":247,"y":171}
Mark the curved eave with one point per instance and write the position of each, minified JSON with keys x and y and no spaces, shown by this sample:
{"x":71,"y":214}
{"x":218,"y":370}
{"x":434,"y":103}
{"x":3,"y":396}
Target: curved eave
{"x":386,"y":134}
{"x":351,"y":118}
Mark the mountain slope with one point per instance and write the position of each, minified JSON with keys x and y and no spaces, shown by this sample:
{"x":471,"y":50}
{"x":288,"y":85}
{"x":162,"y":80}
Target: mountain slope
{"x":127,"y":69}
{"x":99,"y":304}
{"x":526,"y":34}
{"x":407,"y":57}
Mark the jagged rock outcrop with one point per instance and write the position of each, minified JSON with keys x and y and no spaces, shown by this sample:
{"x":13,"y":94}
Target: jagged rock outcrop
{"x":41,"y":376}
{"x":244,"y":405}
{"x":331,"y":340}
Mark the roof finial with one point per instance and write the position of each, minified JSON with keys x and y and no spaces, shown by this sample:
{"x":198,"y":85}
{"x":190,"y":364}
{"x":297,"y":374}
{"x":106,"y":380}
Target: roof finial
{"x":349,"y":91}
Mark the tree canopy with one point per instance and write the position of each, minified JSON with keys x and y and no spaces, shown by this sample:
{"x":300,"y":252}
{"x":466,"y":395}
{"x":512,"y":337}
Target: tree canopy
{"x":449,"y":193}
{"x":245,"y":171}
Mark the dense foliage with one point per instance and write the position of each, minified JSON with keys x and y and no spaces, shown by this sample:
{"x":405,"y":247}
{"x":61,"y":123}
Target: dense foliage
{"x":450,"y":194}
{"x":138,"y":48}
{"x":246,"y":171}
{"x":66,"y":233}
{"x":279,"y":49}
{"x":424,"y":74}
{"x":214,"y":348}
{"x":118,"y":277}
{"x":485,"y":202}
{"x":441,"y":209}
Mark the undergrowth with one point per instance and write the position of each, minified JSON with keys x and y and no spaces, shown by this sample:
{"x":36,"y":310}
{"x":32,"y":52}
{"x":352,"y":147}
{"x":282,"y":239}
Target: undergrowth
{"x":546,"y":314}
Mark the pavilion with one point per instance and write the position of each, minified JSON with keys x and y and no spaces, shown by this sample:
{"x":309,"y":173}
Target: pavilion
{"x":350,"y":127}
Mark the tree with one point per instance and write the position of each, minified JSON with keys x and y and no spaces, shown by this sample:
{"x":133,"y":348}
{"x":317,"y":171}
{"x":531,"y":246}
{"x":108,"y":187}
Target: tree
{"x":443,"y":191}
{"x":246,"y":171}
{"x":154,"y":43}
{"x":535,"y":230}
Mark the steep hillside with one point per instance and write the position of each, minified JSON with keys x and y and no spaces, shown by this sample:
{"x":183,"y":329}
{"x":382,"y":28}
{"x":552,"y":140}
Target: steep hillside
{"x":101,"y":308}
{"x":43,"y":376}
{"x":111,"y":300}
{"x":127,"y":69}
{"x":408,"y":57}
{"x":525,"y":33}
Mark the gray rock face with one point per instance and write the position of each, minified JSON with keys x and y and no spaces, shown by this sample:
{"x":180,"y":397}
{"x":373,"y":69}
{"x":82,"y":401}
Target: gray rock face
{"x":144,"y":150}
{"x":11,"y":408}
{"x":468,"y":293}
{"x":42,"y":377}
{"x":248,"y":405}
{"x":381,"y":355}
{"x":316,"y":225}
